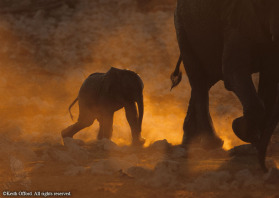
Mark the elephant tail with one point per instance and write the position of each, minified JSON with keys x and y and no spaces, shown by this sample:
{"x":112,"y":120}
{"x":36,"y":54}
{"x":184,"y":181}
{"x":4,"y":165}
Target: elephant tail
{"x":176,"y":76}
{"x":140,"y":110}
{"x":71,"y":107}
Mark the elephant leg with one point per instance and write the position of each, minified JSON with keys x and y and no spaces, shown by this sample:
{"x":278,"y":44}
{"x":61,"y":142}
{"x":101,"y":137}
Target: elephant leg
{"x":85,"y":120}
{"x":106,"y":124}
{"x":190,"y":125}
{"x":190,"y":63}
{"x":133,"y":120}
{"x":268,"y":131}
{"x":237,"y":77}
{"x":204,"y":125}
{"x":268,"y":88}
{"x":269,"y":93}
{"x":198,"y":123}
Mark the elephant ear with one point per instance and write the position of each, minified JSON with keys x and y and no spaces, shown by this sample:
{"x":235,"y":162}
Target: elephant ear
{"x":112,"y":83}
{"x":109,"y":80}
{"x":247,"y":16}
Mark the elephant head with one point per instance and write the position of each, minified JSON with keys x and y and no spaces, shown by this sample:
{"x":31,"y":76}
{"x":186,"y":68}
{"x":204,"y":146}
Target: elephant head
{"x":125,"y":86}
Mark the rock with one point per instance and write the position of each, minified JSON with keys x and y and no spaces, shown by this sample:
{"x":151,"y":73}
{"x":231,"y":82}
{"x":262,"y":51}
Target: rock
{"x":246,"y":179}
{"x":69,"y":142}
{"x":109,"y":166}
{"x":108,"y":145}
{"x":178,"y":152}
{"x":160,"y":145}
{"x":165,"y":174}
{"x":139,"y":172}
{"x":75,"y":150}
{"x":210,"y":181}
{"x":74,"y":170}
{"x":243,"y":175}
{"x":132,"y":159}
{"x":61,"y":156}
{"x":167,"y":166}
{"x":19,"y":174}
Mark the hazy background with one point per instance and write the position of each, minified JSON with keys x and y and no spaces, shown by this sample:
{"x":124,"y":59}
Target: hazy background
{"x":49,"y":48}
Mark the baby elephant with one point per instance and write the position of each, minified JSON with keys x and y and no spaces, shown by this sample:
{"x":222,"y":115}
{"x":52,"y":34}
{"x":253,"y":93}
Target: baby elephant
{"x":101,"y":94}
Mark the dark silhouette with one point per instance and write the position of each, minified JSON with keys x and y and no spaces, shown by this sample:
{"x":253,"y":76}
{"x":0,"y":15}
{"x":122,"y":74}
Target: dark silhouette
{"x":229,"y":40}
{"x":101,"y":95}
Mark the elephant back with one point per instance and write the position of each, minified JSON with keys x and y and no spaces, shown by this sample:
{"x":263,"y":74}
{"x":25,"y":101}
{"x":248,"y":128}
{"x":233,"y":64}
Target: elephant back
{"x":121,"y":85}
{"x":90,"y":90}
{"x":250,"y":17}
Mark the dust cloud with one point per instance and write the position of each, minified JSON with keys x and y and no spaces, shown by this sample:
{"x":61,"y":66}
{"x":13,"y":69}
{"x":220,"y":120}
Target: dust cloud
{"x":47,"y":54}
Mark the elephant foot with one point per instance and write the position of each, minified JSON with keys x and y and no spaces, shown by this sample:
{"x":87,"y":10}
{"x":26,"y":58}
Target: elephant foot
{"x":186,"y":142}
{"x":210,"y":142}
{"x":66,"y":134}
{"x":138,"y":142}
{"x":246,"y":132}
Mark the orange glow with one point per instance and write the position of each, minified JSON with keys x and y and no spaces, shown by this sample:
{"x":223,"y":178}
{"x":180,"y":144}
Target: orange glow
{"x":38,"y":82}
{"x":45,"y":56}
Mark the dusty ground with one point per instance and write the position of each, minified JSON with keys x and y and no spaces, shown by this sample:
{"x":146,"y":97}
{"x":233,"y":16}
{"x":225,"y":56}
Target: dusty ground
{"x":46,"y":54}
{"x":103,"y":169}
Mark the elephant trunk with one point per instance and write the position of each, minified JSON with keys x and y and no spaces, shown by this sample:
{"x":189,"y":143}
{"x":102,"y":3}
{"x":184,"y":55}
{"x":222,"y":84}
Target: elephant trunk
{"x":140,"y":111}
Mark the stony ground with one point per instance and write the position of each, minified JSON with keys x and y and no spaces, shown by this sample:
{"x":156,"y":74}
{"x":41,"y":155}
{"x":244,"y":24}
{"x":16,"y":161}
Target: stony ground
{"x":103,"y":169}
{"x":46,"y":54}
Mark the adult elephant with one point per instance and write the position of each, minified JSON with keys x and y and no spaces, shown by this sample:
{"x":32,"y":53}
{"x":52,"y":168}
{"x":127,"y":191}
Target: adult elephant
{"x":101,"y":94}
{"x":228,"y":40}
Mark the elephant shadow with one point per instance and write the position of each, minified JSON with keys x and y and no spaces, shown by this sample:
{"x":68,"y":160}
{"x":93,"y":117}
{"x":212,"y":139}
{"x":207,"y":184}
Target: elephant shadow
{"x":196,"y":161}
{"x":245,"y":157}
